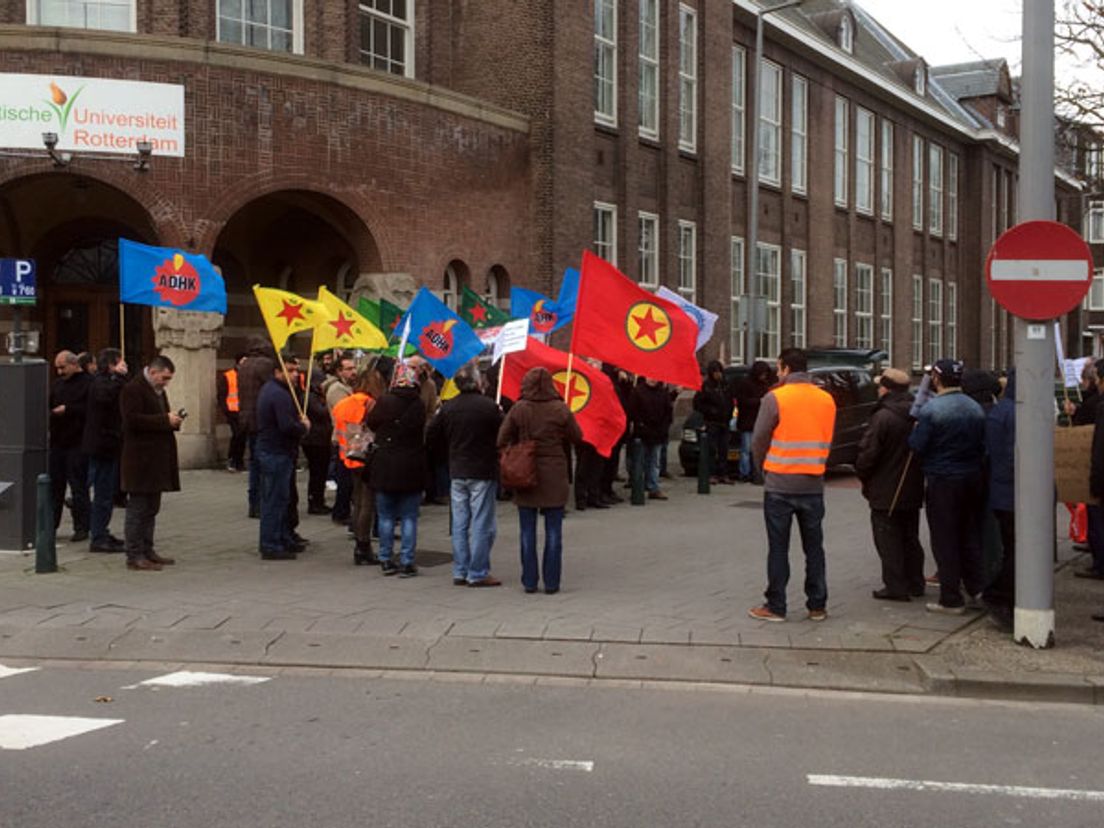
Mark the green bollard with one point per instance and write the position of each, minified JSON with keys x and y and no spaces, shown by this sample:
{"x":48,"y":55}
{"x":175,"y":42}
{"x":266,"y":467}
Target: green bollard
{"x":45,"y":550}
{"x":703,"y":462}
{"x":636,"y":451}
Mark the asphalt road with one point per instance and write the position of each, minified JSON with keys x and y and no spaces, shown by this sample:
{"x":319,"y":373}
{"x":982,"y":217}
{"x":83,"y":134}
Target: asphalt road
{"x":306,"y":749}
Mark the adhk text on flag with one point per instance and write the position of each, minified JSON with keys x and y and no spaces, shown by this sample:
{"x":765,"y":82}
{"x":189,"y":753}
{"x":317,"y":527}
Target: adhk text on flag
{"x":168,"y":278}
{"x":442,"y":337}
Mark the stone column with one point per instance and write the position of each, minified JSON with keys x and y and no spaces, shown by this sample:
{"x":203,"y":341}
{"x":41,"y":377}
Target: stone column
{"x":191,"y":340}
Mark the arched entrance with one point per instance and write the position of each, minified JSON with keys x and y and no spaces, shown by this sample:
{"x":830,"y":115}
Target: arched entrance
{"x":70,"y":225}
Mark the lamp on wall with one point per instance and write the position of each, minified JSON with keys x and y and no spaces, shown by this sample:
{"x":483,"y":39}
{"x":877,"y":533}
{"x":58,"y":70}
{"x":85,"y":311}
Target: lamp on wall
{"x":60,"y":159}
{"x":145,"y":151}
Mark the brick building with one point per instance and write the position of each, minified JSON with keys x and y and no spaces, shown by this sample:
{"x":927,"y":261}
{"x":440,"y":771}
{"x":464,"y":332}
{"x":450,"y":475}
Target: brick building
{"x":485,"y":143}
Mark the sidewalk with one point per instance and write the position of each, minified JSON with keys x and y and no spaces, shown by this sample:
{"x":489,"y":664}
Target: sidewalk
{"x":649,"y":593}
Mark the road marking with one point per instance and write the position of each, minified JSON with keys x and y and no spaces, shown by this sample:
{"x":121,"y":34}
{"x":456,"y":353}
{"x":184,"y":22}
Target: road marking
{"x":885,"y":784}
{"x":559,"y":764}
{"x":186,"y":678}
{"x":19,"y":732}
{"x":5,"y":672}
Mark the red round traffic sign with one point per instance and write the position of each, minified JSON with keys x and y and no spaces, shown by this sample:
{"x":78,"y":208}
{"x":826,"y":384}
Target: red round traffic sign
{"x":1039,"y":270}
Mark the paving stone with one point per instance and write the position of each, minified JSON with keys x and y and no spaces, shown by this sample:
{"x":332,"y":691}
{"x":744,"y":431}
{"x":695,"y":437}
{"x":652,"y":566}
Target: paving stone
{"x":522,"y":628}
{"x":765,"y":638}
{"x":475,"y":628}
{"x":568,"y":630}
{"x":377,"y":652}
{"x":192,"y":645}
{"x":498,"y":655}
{"x":682,"y":663}
{"x":665,"y":635}
{"x":616,"y":632}
{"x":873,"y":672}
{"x":59,"y":642}
{"x":202,"y":621}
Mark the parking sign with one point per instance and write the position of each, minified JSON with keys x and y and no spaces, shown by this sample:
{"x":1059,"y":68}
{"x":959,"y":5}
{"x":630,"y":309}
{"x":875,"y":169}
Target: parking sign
{"x":17,"y":282}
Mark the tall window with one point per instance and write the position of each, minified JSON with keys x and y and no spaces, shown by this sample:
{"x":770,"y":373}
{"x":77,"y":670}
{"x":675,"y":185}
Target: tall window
{"x":952,"y":197}
{"x":605,"y":61}
{"x":935,"y":320}
{"x":268,"y":24}
{"x":386,"y":35}
{"x":1096,"y":292}
{"x":770,"y":123}
{"x":769,"y":261}
{"x":886,"y":171}
{"x":935,"y":189}
{"x":846,"y":35}
{"x":864,"y":160}
{"x":1094,"y":223}
{"x":649,"y":68}
{"x":952,"y":320}
{"x":885,"y":313}
{"x":739,"y":106}
{"x":687,"y":259}
{"x":917,"y":183}
{"x":605,"y":231}
{"x":800,"y":297}
{"x":649,"y":249}
{"x":113,"y":15}
{"x":454,"y":283}
{"x":841,"y":151}
{"x":688,"y":79}
{"x":864,"y":306}
{"x":839,"y":303}
{"x":799,"y":135}
{"x":917,"y":322}
{"x":736,"y":330}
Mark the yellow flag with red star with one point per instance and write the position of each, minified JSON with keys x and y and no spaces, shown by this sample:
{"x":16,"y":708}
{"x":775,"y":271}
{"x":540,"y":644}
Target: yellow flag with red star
{"x":286,"y":313}
{"x":345,"y":328}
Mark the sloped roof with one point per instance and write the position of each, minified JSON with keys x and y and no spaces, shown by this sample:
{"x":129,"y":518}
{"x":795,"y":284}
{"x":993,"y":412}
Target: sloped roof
{"x":977,"y":79}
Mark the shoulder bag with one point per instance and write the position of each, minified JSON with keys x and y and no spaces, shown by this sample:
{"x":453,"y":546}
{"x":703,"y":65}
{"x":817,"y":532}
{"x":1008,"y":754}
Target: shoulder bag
{"x":518,"y":464}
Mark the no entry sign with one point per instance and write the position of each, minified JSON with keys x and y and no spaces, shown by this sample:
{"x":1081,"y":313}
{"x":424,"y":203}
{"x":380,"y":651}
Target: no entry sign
{"x":1039,"y":270}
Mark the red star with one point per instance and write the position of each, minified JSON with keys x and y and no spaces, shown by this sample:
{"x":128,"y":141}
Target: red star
{"x":649,"y":325}
{"x":291,"y":312}
{"x":395,"y":322}
{"x":343,"y":326}
{"x":478,"y":313}
{"x":573,"y":392}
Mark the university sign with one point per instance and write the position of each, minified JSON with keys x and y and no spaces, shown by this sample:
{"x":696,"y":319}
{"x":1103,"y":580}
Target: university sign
{"x":92,"y":115}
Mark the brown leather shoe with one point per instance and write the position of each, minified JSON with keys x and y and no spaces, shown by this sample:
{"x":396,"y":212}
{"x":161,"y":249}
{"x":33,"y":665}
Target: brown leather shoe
{"x":489,"y":581}
{"x":143,"y":565}
{"x":157,"y":559}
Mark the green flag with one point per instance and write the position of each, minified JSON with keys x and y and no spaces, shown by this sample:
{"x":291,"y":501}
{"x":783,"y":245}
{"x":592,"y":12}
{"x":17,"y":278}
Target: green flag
{"x":389,"y":316}
{"x":478,"y":312}
{"x":369,"y":310}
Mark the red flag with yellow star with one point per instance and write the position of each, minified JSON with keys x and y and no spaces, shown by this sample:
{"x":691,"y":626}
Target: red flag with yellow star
{"x":618,"y":321}
{"x":286,"y":313}
{"x":591,"y":396}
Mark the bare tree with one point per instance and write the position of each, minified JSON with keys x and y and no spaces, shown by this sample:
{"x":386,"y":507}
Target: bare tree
{"x":1079,"y":34}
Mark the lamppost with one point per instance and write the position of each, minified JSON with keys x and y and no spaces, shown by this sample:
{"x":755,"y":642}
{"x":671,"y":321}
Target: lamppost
{"x":751,"y":258}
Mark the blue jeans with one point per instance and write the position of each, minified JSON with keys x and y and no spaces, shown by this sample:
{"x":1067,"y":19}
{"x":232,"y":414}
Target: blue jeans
{"x":745,"y":455}
{"x":275,"y":472}
{"x":103,"y":477}
{"x":552,"y":562}
{"x":401,"y":506}
{"x":779,"y":511}
{"x":473,"y":510}
{"x":651,"y":466}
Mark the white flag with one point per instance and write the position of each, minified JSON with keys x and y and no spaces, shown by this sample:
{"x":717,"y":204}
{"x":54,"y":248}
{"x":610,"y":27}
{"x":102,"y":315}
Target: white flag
{"x":704,"y":319}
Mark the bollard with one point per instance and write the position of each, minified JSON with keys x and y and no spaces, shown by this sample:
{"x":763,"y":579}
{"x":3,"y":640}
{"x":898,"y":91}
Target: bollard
{"x":636,"y":454}
{"x":45,"y":550}
{"x":703,"y":462}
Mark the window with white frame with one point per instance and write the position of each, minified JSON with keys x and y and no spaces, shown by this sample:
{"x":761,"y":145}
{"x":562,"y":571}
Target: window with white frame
{"x":605,"y":231}
{"x":917,"y":182}
{"x":110,"y":15}
{"x":739,"y":107}
{"x":799,"y":135}
{"x":846,"y":35}
{"x":839,"y":303}
{"x":935,"y":189}
{"x":649,"y":69}
{"x":454,"y":284}
{"x":864,"y":306}
{"x":275,"y":25}
{"x":769,"y":267}
{"x":917,"y":322}
{"x":1094,"y":223}
{"x":935,"y":320}
{"x":841,"y":151}
{"x":952,"y":320}
{"x":687,"y":259}
{"x":648,"y":225}
{"x":885,"y":168}
{"x":386,"y":35}
{"x":770,"y":123}
{"x":605,"y":61}
{"x":1096,"y":291}
{"x":864,"y":160}
{"x":920,"y":81}
{"x":952,"y":197}
{"x":799,"y":299}
{"x":885,"y":313}
{"x":736,"y":331}
{"x":688,"y":79}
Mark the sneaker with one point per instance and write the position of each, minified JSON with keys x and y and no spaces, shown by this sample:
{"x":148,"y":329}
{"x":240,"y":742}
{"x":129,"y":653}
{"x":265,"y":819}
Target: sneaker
{"x":657,"y":495}
{"x":818,"y":615}
{"x":331,"y":486}
{"x":389,"y":567}
{"x":78,"y":536}
{"x":932,"y":579}
{"x":408,"y":571}
{"x":764,"y":613}
{"x":942,"y":610}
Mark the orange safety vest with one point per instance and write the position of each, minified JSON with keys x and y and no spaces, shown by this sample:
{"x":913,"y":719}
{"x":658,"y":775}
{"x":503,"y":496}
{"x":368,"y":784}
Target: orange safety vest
{"x":350,"y":410}
{"x":803,"y":437}
{"x":233,"y":402}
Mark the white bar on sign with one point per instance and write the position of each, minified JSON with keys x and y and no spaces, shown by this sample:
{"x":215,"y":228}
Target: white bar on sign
{"x":1039,"y":270}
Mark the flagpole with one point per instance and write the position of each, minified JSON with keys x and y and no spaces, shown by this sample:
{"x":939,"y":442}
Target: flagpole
{"x":291,"y":388}
{"x":501,"y":377}
{"x":310,"y":353}
{"x":567,"y":383}
{"x":122,"y":330}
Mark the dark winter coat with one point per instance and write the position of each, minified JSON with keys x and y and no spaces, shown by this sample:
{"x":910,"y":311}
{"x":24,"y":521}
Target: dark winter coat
{"x":103,"y":423}
{"x":541,"y":415}
{"x":399,"y":462}
{"x":67,"y":428}
{"x":1000,"y":443}
{"x":1086,"y":412}
{"x":467,"y":426}
{"x":884,"y":453}
{"x":321,"y":428}
{"x":949,"y":438}
{"x":253,"y":373}
{"x":279,"y":429}
{"x":648,"y":415}
{"x":715,"y":400}
{"x":148,"y":462}
{"x":749,"y":396}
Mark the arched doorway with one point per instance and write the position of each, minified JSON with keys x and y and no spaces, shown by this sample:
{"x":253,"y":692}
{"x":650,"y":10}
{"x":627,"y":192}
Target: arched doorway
{"x":456,"y":279}
{"x":498,"y":287}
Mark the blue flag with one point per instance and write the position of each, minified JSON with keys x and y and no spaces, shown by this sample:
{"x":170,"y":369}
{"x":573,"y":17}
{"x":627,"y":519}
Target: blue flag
{"x":544,"y":314}
{"x":441,"y":336}
{"x":168,"y":278}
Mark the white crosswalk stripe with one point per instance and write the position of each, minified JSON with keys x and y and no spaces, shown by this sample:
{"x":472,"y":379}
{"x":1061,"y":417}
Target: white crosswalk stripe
{"x":186,"y":678}
{"x":19,"y":732}
{"x":5,"y":672}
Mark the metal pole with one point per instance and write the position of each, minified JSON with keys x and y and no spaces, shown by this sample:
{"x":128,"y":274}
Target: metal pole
{"x":17,"y":334}
{"x":1033,"y":620}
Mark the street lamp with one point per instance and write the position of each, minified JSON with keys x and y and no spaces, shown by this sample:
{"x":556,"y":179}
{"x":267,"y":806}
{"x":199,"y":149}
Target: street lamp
{"x":751,"y":269}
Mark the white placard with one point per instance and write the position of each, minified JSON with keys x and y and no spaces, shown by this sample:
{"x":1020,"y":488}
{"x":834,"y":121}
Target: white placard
{"x":1071,"y":371}
{"x":1058,"y":342}
{"x":92,"y":115}
{"x":514,"y":337}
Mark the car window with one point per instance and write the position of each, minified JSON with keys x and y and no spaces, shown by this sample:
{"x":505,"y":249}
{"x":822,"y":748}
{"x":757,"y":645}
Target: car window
{"x":865,"y":390}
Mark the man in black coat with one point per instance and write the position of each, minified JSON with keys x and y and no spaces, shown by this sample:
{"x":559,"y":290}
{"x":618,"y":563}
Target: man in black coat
{"x":253,"y":372}
{"x":715,"y":402}
{"x":280,"y":426}
{"x":68,"y":464}
{"x":103,"y":443}
{"x":749,"y":394}
{"x":893,"y":484}
{"x":648,"y":421}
